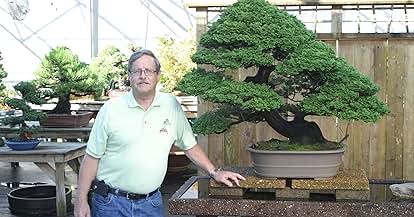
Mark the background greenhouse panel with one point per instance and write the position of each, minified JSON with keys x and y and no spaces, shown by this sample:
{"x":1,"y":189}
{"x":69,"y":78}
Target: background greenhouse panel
{"x":68,"y":22}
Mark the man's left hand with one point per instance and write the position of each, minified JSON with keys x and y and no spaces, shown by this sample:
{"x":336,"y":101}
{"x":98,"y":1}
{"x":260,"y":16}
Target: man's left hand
{"x":227,"y":177}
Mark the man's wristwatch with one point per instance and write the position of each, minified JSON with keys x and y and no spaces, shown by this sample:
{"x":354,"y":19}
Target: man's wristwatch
{"x":213,"y":173}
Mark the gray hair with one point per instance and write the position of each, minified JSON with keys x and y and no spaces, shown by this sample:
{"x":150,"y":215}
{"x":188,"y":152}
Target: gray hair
{"x":138,"y":54}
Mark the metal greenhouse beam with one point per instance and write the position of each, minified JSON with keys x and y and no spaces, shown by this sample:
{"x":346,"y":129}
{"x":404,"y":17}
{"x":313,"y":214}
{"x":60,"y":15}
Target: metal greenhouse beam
{"x":220,"y":3}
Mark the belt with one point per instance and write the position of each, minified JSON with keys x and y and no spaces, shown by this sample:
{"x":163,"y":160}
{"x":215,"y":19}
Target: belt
{"x":129,"y":195}
{"x":100,"y":187}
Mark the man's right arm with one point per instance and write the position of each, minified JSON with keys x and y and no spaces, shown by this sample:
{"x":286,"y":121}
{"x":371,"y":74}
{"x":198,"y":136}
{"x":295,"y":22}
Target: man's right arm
{"x":87,"y":174}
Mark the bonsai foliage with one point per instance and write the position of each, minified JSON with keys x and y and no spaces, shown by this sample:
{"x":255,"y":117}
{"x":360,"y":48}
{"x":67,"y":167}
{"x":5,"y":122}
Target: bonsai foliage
{"x":175,"y":58}
{"x":3,"y":74}
{"x":296,"y":76}
{"x":27,"y":94}
{"x":4,"y":92}
{"x":111,"y":67}
{"x":62,"y":74}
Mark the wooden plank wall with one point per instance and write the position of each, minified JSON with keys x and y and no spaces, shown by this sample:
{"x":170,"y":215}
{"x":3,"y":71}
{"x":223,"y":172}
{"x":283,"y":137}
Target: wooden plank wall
{"x":385,"y":150}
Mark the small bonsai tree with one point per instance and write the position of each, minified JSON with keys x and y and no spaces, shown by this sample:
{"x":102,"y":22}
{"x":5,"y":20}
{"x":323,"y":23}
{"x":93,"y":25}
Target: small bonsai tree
{"x":60,"y":75}
{"x":296,"y":76}
{"x":27,"y":94}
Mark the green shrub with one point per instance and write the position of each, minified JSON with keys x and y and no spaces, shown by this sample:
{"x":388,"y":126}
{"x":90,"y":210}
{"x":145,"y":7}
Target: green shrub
{"x":175,"y":58}
{"x":3,"y":74}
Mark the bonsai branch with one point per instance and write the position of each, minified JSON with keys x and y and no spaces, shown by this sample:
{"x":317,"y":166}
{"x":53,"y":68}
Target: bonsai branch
{"x":346,"y":134}
{"x":262,"y":75}
{"x":298,"y":130}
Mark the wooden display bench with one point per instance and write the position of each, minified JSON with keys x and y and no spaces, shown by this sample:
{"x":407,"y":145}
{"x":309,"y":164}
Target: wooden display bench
{"x":346,"y":185}
{"x":51,"y":158}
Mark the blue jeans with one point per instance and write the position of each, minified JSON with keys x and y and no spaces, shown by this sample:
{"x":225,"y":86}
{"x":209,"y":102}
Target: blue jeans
{"x":118,"y":206}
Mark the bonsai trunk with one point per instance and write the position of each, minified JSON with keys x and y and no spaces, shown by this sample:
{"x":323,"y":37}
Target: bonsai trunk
{"x":25,"y":135}
{"x":298,"y":130}
{"x":63,"y":105}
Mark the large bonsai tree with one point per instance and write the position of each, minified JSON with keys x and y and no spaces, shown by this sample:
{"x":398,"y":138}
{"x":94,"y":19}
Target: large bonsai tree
{"x":296,"y":76}
{"x":61,"y":74}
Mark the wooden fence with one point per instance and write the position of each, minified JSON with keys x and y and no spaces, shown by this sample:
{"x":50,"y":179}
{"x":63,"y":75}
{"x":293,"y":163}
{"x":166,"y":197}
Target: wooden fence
{"x":385,"y":150}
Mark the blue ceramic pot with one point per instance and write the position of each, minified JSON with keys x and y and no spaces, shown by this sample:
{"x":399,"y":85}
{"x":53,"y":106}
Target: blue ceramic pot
{"x":22,"y":145}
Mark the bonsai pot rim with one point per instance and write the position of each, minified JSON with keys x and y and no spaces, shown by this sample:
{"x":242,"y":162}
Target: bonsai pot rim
{"x":249,"y":148}
{"x":22,"y":145}
{"x":80,"y":119}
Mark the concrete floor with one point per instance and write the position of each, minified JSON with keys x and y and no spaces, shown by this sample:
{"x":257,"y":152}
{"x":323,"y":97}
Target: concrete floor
{"x":28,"y":174}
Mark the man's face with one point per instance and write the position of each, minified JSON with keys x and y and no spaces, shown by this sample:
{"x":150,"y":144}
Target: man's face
{"x":143,"y":77}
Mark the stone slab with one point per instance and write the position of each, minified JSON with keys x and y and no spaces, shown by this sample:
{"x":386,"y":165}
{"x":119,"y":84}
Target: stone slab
{"x":252,"y":181}
{"x":347,"y":185}
{"x":344,"y":180}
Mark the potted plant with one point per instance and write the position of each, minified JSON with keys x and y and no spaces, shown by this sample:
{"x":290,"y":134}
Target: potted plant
{"x":295,"y":76}
{"x":61,"y":75}
{"x":27,"y":94}
{"x":111,"y":66}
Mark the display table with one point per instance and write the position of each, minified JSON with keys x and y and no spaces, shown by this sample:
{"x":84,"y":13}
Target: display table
{"x":50,"y":133}
{"x":48,"y":153}
{"x":345,"y":195}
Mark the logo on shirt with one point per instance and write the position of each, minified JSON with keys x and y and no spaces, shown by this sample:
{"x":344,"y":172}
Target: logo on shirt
{"x":164,"y":128}
{"x":167,"y":122}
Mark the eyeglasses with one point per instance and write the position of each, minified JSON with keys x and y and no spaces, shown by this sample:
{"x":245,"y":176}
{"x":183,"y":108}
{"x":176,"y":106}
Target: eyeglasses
{"x":147,"y":72}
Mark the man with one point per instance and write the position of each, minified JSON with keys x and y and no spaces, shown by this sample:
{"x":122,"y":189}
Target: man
{"x":127,"y":152}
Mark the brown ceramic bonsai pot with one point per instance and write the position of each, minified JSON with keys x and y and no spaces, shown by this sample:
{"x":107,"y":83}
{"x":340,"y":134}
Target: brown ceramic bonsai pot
{"x":296,"y":164}
{"x":67,"y":120}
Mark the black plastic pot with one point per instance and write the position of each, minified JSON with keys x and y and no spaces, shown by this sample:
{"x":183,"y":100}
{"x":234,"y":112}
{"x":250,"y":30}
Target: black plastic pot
{"x":36,"y":200}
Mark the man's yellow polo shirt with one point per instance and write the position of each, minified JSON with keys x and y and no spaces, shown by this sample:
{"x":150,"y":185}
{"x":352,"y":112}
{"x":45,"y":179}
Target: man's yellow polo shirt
{"x":133,"y":145}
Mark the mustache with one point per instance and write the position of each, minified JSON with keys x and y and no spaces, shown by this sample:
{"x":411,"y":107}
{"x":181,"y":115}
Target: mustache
{"x":143,"y":82}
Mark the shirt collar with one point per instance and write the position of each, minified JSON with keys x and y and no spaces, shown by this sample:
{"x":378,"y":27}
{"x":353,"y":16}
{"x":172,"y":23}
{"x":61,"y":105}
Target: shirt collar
{"x":133,"y":103}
